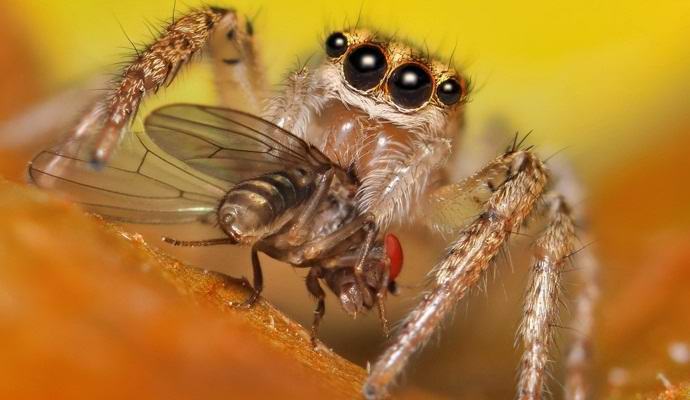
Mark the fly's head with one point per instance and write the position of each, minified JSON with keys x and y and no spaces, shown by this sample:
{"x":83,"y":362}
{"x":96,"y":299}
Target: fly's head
{"x":381,"y":269}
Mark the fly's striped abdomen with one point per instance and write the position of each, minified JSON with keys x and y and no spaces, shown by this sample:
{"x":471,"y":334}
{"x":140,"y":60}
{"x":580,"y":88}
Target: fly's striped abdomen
{"x":251,"y":207}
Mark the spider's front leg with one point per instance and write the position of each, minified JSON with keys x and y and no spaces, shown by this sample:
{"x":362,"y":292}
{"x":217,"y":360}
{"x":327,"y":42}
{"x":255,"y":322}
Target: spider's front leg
{"x":225,"y":34}
{"x":517,"y":180}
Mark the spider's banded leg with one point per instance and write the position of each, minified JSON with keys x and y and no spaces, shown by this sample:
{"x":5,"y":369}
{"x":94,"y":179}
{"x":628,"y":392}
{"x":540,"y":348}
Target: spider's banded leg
{"x":153,"y":68}
{"x":238,"y":70}
{"x":553,"y":247}
{"x":579,"y":356}
{"x":465,"y":261}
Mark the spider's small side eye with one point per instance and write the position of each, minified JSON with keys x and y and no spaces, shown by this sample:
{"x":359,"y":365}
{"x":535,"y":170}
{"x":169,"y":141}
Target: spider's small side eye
{"x":449,"y":92}
{"x":365,"y":67}
{"x":410,"y":85}
{"x":336,"y":44}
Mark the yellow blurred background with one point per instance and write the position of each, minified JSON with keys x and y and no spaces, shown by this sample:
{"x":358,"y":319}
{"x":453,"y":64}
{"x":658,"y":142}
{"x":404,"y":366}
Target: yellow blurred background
{"x":590,"y":75}
{"x":609,"y":82}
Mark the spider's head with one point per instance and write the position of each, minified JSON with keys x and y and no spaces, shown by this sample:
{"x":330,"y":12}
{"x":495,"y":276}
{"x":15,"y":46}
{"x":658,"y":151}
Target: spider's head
{"x":375,"y":98}
{"x":380,"y":271}
{"x":391,"y":80}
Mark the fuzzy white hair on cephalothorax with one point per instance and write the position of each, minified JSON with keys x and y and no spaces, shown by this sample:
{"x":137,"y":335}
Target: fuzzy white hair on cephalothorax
{"x":429,"y":121}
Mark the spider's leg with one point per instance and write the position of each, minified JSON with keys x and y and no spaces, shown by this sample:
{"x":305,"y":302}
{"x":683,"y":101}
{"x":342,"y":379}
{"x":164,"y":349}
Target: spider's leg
{"x":465,"y":260}
{"x":580,"y":353}
{"x":579,"y":356}
{"x":553,"y":247}
{"x":238,"y":70}
{"x":152,"y":69}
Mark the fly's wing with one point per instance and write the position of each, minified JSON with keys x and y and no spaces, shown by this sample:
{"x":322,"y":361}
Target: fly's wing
{"x":141,"y":184}
{"x":228,"y":144}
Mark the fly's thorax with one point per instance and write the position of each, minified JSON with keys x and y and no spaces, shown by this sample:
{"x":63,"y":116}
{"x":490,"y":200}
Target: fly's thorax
{"x":258,"y":207}
{"x":336,"y":210}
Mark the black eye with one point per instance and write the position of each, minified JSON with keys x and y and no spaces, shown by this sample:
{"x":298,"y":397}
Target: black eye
{"x":365,"y":67}
{"x":410,"y":86}
{"x":449,"y":92}
{"x":336,"y":44}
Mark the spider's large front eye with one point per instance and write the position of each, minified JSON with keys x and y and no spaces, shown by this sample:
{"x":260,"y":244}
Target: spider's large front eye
{"x":410,"y":86}
{"x":449,"y":92}
{"x":336,"y":44}
{"x":365,"y":67}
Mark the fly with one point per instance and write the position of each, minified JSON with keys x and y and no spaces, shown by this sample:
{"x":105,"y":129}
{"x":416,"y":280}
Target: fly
{"x":261,"y":185}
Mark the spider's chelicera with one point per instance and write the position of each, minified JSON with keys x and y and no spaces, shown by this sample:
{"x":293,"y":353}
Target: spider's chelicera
{"x":354,"y":143}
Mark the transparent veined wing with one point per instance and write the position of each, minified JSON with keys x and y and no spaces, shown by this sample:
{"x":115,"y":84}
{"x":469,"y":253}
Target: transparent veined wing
{"x":228,"y":144}
{"x":141,"y":183}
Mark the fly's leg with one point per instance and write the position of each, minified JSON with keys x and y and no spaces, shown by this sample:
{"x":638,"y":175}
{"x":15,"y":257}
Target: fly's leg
{"x":381,"y":303}
{"x":210,"y":242}
{"x":198,"y":243}
{"x":337,"y":240}
{"x":300,"y":228}
{"x":371,"y":232}
{"x":541,"y":308}
{"x":315,"y":290}
{"x":464,"y":262}
{"x":258,"y":281}
{"x":155,"y":67}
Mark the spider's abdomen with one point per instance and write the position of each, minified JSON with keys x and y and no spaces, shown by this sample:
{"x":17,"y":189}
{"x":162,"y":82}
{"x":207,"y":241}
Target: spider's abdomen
{"x":254,"y":207}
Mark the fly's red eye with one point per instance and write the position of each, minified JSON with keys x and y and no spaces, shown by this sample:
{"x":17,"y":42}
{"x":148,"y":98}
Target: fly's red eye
{"x":395,"y":255}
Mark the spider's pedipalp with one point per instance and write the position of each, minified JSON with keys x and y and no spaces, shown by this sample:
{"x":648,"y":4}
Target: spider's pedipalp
{"x":464,"y":263}
{"x":153,"y":68}
{"x":553,"y":247}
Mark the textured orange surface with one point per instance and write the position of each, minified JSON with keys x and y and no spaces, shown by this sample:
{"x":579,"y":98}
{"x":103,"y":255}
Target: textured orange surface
{"x":86,"y":312}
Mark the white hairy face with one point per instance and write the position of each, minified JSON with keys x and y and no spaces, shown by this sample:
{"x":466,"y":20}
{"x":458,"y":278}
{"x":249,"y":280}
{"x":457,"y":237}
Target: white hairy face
{"x":391,"y":81}
{"x":382,"y":108}
{"x":366,"y":86}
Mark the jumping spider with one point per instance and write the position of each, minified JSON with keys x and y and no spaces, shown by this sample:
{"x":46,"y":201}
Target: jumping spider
{"x":386,"y":114}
